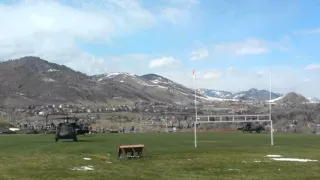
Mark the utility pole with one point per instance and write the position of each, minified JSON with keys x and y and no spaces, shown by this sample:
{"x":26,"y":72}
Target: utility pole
{"x":46,"y":121}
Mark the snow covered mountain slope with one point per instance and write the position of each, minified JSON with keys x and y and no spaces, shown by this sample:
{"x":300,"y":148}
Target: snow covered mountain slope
{"x":313,"y":99}
{"x":152,"y":85}
{"x":251,"y":94}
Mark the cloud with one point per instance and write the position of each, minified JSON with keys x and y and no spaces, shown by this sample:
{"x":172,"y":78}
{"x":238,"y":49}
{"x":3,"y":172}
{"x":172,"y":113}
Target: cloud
{"x":207,"y":74}
{"x":247,"y":47}
{"x":212,"y":75}
{"x":303,"y":57}
{"x":184,"y":3}
{"x":313,"y":67}
{"x":51,"y":18}
{"x":261,"y":72}
{"x":199,"y":54}
{"x":308,"y":31}
{"x":55,"y":29}
{"x":164,"y":62}
{"x":172,"y":14}
{"x":306,"y":80}
{"x":284,"y":79}
{"x":231,"y":69}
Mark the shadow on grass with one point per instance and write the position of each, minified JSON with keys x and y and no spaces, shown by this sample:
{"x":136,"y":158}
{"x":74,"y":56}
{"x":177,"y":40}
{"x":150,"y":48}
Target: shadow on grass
{"x":71,"y":141}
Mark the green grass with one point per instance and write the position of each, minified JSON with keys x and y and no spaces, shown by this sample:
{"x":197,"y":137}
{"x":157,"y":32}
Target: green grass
{"x":173,"y":157}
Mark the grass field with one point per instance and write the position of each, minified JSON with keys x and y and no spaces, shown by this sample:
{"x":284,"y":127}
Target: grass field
{"x":222,"y":155}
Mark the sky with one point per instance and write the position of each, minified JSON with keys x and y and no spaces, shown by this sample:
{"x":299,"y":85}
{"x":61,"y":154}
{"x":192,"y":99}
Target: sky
{"x":232,"y":45}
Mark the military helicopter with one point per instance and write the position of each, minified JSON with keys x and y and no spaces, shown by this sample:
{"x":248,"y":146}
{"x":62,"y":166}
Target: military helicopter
{"x":82,"y":128}
{"x":250,"y":127}
{"x":69,"y":130}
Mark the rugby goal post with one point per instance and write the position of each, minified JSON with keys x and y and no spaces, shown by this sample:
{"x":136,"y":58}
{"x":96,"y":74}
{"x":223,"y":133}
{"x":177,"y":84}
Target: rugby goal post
{"x":234,"y":119}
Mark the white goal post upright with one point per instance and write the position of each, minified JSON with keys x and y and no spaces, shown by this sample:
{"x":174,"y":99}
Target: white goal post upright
{"x":270,"y":118}
{"x":195,"y":109}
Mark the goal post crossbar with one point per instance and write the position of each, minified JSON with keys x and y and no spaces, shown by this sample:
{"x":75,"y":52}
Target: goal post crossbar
{"x":232,"y":121}
{"x":237,"y":115}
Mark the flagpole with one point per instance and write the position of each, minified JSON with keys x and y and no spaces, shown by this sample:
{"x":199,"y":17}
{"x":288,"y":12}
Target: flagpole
{"x":195,"y":108}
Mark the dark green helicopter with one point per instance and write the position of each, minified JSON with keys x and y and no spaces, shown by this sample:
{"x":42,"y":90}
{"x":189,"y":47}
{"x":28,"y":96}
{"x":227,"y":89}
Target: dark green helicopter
{"x":250,"y":127}
{"x":69,"y":130}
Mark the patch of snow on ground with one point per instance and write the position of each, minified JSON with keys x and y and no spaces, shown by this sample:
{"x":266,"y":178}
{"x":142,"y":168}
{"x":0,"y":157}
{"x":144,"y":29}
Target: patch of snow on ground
{"x":216,"y":99}
{"x":83,"y":168}
{"x":143,"y":83}
{"x":294,"y":160}
{"x":48,"y":80}
{"x":180,"y":92}
{"x":155,"y":81}
{"x":109,"y":75}
{"x":52,"y":70}
{"x":273,"y":155}
{"x":276,"y":99}
{"x":162,"y":87}
{"x":21,"y":94}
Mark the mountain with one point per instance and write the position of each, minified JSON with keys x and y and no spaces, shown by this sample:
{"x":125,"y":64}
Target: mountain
{"x":251,"y":94}
{"x":255,"y":94}
{"x":175,"y":87}
{"x":291,"y":97}
{"x":151,"y":85}
{"x":31,"y":80}
{"x":216,"y":93}
{"x":34,"y":81}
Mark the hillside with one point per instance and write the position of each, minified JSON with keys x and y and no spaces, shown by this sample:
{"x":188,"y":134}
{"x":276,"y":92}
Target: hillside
{"x":157,"y":87}
{"x":34,"y":81}
{"x":251,"y":94}
{"x":313,"y":99}
{"x":31,"y":80}
{"x":173,"y":86}
{"x":292,"y":97}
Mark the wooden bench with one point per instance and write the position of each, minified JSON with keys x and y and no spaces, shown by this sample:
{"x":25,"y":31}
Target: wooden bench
{"x":135,"y":151}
